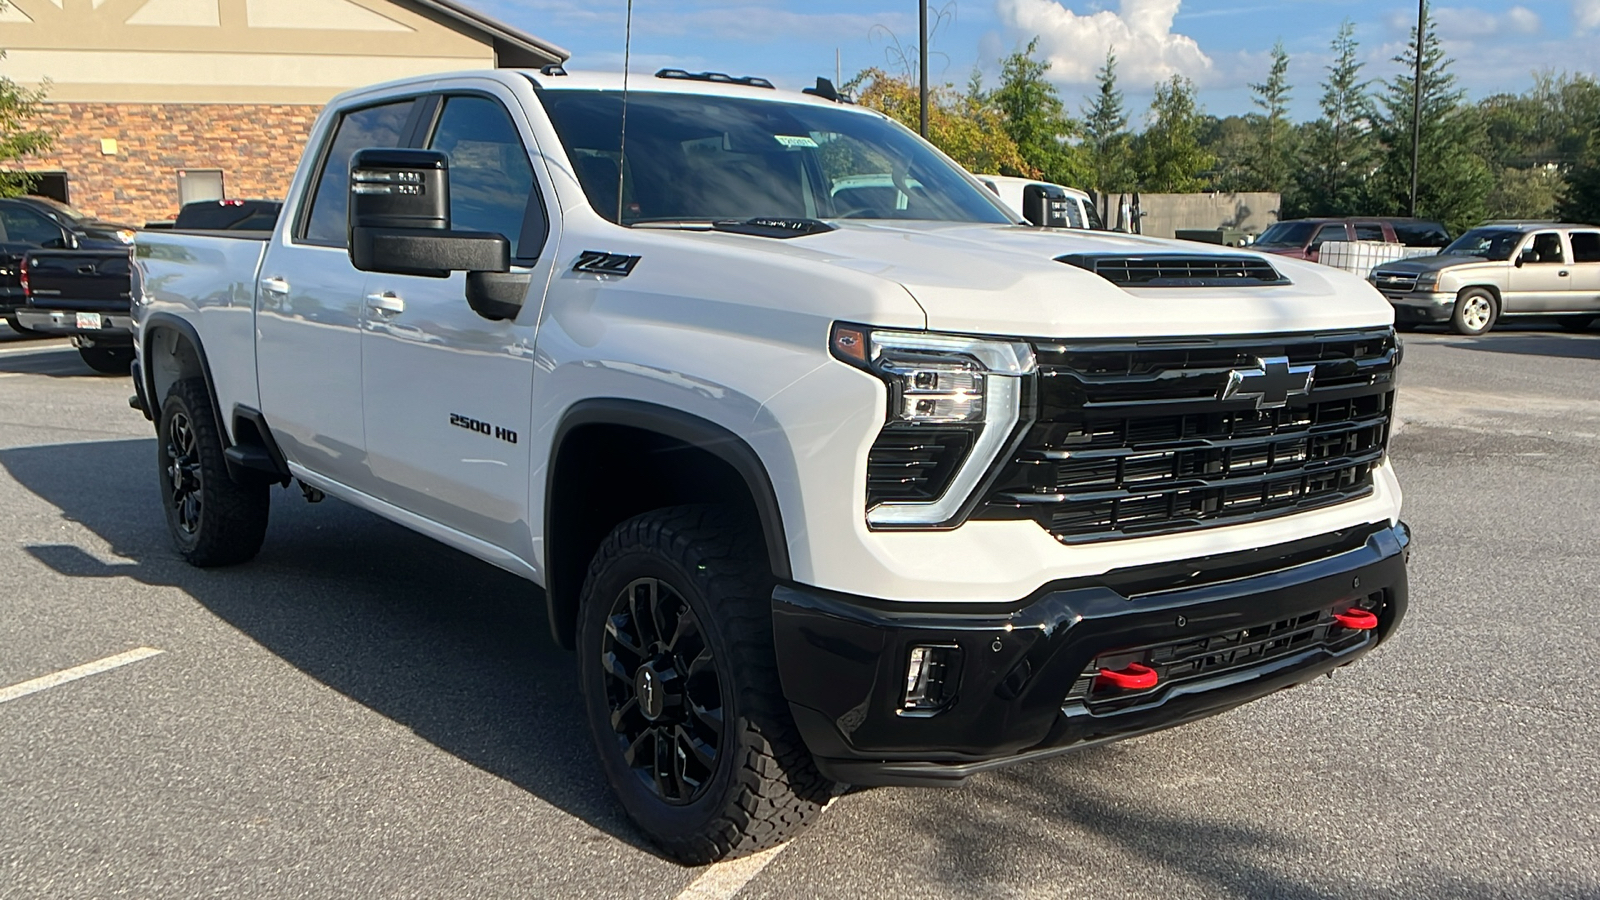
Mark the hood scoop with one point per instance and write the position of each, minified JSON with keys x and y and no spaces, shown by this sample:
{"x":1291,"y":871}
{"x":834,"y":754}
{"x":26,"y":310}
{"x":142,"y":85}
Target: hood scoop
{"x":1155,"y":270}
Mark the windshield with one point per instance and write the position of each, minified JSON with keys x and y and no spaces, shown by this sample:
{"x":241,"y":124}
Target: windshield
{"x":1286,"y":234}
{"x":1489,"y":243}
{"x":702,"y":158}
{"x":61,"y":208}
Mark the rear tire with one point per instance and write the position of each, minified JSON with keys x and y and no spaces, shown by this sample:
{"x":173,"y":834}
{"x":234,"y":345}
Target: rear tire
{"x":213,"y":520}
{"x":1475,"y":313}
{"x":108,"y":360}
{"x":680,"y":684}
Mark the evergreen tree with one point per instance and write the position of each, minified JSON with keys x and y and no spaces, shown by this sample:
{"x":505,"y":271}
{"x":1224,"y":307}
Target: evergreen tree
{"x":1105,"y":128}
{"x":1168,"y":155}
{"x":1454,"y":178}
{"x":1036,"y":119}
{"x":1270,"y":163}
{"x":19,"y":138}
{"x":1339,"y":152}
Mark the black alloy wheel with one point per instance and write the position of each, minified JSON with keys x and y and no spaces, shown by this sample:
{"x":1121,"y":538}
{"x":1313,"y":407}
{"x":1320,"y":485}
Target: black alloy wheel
{"x":183,"y":473}
{"x":663,"y":689}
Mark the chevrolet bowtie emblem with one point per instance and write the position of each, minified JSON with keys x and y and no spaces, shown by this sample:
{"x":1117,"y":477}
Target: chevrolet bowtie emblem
{"x":1271,"y":385}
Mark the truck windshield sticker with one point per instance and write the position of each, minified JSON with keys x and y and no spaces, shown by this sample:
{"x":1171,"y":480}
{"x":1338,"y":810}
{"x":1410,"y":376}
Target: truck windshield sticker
{"x":795,"y":141}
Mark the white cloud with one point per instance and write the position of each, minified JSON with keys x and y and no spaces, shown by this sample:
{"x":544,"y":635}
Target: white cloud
{"x":1456,"y":23}
{"x":1586,"y":13}
{"x":1140,"y":31}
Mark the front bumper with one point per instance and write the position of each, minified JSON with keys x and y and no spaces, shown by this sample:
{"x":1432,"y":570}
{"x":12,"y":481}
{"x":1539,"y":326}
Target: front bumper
{"x":91,"y":327}
{"x":1023,"y":680}
{"x":1417,"y":306}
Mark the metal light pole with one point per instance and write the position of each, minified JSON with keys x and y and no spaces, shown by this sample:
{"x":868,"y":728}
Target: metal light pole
{"x":922,"y":62}
{"x":1416,"y":104}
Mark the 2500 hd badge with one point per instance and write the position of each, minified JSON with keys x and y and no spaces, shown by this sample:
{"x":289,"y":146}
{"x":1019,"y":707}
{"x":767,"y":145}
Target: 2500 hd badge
{"x":484,"y":428}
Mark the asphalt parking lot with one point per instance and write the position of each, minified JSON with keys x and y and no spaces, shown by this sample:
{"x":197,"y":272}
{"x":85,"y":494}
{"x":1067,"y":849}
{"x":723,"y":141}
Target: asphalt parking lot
{"x":364,"y":713}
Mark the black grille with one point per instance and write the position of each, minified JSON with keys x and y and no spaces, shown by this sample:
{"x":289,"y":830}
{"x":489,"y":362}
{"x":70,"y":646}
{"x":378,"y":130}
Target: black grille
{"x":1219,"y":654}
{"x":1179,"y":270}
{"x":914,"y":464}
{"x":1395,"y":282}
{"x":1133,"y":439}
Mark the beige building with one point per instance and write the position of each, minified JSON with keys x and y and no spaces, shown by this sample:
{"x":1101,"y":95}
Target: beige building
{"x":156,"y":102}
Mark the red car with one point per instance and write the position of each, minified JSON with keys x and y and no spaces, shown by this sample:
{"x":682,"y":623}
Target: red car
{"x":1303,"y":238}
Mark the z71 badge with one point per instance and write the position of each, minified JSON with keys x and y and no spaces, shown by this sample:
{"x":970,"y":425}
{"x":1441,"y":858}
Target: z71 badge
{"x":483,"y":428}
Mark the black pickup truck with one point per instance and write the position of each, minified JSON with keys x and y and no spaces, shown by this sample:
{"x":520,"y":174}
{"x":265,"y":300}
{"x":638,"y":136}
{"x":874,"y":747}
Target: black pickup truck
{"x":64,"y":272}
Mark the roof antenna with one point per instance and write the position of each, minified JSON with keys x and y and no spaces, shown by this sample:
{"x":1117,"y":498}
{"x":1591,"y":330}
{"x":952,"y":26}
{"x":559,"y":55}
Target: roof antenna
{"x":622,"y":149}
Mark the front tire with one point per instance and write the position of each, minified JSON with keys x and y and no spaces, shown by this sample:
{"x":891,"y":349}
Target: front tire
{"x":108,"y":360}
{"x":681,"y":688}
{"x":213,"y":520}
{"x":1475,"y":313}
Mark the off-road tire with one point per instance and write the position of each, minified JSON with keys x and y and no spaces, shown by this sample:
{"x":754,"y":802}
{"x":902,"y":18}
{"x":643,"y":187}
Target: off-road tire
{"x":1476,"y":312}
{"x":764,"y":788}
{"x":108,"y":360}
{"x":228,"y":523}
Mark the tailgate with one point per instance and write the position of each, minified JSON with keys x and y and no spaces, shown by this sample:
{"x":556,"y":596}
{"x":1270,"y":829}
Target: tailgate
{"x":89,"y":280}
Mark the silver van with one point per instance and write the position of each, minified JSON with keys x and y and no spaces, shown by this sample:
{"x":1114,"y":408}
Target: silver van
{"x":1524,"y":269}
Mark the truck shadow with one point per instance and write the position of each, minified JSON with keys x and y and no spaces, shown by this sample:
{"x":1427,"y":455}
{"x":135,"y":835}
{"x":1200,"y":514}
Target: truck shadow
{"x":51,"y":360}
{"x":450,"y":647}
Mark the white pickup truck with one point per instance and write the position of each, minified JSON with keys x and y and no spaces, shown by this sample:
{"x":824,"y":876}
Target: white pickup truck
{"x":828,"y":470}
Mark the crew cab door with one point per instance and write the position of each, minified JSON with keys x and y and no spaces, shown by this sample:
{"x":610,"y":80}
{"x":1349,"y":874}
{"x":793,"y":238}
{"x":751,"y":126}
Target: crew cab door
{"x":1540,"y":276}
{"x":1585,"y":294}
{"x":448,"y":393}
{"x":309,"y":307}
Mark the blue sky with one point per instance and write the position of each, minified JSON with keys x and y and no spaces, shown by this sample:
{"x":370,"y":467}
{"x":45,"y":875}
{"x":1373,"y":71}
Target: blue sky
{"x":1222,"y":44}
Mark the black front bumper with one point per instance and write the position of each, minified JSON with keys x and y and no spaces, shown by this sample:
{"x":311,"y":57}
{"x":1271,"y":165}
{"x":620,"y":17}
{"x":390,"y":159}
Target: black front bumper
{"x":1222,"y":631}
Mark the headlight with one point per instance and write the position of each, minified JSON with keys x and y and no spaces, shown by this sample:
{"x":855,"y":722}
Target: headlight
{"x":1427,"y":281}
{"x":954,"y":403}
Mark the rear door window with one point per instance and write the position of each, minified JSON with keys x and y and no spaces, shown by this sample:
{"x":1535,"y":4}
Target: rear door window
{"x":1585,"y":246}
{"x":1328,"y":233}
{"x":491,"y":179}
{"x":1369,"y":231}
{"x":376,"y":126}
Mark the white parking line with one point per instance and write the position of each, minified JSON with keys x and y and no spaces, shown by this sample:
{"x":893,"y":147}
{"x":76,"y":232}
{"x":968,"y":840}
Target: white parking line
{"x":32,"y":348}
{"x":73,"y":674}
{"x":724,"y":880}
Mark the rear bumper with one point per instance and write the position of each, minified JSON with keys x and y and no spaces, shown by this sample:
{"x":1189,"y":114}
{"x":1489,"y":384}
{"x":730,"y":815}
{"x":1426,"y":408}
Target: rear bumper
{"x":1023,"y":680}
{"x":114,"y":328}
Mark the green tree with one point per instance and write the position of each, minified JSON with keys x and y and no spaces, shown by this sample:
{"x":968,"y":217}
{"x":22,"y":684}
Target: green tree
{"x":1454,"y":179}
{"x":1168,"y":155}
{"x":1035,"y":118}
{"x":1270,"y":163}
{"x":1106,"y":138}
{"x":967,"y":129}
{"x":20,"y":137}
{"x":1339,"y":151}
{"x":1580,"y":201}
{"x":1232,"y":141}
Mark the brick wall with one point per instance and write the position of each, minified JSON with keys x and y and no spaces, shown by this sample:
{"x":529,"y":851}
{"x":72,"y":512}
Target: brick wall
{"x":256,"y":146}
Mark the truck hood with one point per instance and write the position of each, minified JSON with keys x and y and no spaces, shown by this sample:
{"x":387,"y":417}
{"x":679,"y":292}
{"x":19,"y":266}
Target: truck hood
{"x":1424,"y":264}
{"x":1006,"y":280}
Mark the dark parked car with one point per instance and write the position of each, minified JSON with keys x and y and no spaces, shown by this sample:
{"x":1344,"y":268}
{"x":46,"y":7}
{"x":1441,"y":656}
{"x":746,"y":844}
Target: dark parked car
{"x":39,"y":223}
{"x":228,"y":215}
{"x":1303,"y":238}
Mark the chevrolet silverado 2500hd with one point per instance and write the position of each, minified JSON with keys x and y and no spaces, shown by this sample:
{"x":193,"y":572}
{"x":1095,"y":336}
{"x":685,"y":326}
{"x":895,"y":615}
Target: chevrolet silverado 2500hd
{"x":829,"y":471}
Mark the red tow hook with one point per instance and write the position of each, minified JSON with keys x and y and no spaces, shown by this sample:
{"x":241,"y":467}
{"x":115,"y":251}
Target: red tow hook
{"x":1358,"y":619}
{"x":1133,"y":677}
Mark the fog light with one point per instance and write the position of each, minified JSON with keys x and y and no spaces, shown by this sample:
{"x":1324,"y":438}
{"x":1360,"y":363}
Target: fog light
{"x":931,"y":676}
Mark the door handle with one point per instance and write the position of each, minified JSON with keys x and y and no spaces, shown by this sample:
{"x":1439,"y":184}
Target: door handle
{"x":86,"y":270}
{"x":275,"y":285}
{"x":1562,"y":273}
{"x":386,"y":304}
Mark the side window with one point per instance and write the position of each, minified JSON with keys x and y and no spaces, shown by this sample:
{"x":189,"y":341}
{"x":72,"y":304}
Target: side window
{"x":1369,"y":231}
{"x":491,"y":179}
{"x":375,"y":126}
{"x":24,"y":226}
{"x":1421,"y":234}
{"x":1546,"y":248}
{"x":1585,"y":246}
{"x":1328,"y":233}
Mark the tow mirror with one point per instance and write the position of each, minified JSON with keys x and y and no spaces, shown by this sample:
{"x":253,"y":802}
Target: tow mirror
{"x":400,"y":225}
{"x":1045,"y":206}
